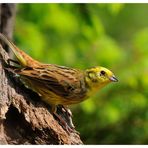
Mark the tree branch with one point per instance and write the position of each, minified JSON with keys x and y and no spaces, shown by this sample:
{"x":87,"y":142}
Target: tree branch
{"x":24,"y":118}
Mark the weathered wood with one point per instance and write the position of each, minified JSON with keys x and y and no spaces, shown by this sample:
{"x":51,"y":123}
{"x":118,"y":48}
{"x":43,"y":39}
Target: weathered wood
{"x":24,"y":118}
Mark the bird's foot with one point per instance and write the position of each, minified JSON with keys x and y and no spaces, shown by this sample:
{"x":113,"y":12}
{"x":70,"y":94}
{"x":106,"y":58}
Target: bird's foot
{"x":66,"y":118}
{"x":64,"y":124}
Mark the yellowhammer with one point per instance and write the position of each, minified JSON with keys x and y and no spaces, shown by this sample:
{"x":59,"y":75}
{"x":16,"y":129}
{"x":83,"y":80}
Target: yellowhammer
{"x":59,"y":85}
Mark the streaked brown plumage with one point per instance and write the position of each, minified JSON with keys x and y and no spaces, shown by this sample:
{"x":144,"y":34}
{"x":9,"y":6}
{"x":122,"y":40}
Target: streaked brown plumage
{"x":59,"y":85}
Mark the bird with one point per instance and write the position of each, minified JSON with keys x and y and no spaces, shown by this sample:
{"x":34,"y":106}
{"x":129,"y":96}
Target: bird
{"x":59,"y":85}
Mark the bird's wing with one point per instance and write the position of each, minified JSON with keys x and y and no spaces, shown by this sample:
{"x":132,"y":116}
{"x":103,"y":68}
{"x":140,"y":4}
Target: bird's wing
{"x":61,"y":80}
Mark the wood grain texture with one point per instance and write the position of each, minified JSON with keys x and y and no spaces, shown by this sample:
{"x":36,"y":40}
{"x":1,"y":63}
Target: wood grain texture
{"x":24,"y":115}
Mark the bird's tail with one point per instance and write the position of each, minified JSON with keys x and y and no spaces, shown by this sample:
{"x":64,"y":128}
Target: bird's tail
{"x":24,"y":59}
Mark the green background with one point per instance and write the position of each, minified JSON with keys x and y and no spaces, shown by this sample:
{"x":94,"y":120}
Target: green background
{"x":86,"y":35}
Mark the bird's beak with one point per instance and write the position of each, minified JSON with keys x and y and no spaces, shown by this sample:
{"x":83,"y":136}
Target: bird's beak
{"x":113,"y":79}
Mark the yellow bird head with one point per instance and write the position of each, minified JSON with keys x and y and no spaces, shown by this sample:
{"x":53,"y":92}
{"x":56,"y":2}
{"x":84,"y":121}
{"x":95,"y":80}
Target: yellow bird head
{"x":98,"y":77}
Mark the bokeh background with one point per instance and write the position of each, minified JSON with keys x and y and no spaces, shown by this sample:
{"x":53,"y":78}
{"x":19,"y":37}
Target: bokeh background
{"x":86,"y":35}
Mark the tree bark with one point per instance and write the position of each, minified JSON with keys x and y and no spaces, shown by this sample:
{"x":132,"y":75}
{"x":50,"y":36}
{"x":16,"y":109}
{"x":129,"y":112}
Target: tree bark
{"x":7,"y":17}
{"x":24,"y":118}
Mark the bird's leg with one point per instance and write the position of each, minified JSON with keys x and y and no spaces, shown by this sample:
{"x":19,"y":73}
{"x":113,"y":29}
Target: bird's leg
{"x":67,"y":110}
{"x":69,"y":115}
{"x":62,"y":121}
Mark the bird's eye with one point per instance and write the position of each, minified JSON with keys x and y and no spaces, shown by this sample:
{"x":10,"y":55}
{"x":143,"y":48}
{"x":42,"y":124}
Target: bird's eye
{"x":102,"y":72}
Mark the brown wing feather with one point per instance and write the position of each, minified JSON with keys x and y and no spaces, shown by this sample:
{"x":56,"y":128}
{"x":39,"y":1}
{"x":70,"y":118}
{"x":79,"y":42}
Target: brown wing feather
{"x":63,"y":81}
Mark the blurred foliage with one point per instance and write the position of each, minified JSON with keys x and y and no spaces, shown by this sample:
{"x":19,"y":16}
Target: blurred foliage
{"x":86,"y":35}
